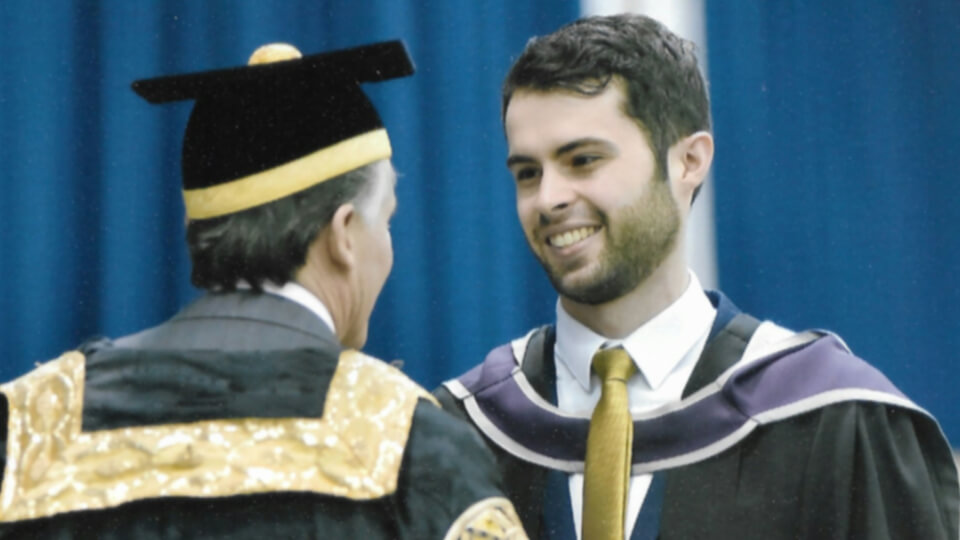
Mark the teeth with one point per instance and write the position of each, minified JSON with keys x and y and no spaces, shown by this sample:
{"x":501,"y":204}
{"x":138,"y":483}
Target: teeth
{"x":571,"y":237}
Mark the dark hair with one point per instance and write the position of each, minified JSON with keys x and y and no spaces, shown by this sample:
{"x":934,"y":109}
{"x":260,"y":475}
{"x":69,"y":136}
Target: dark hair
{"x":665,"y":91}
{"x":269,"y":242}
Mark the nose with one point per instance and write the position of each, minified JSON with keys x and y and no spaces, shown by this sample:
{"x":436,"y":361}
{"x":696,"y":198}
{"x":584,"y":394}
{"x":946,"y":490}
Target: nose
{"x":555,"y":192}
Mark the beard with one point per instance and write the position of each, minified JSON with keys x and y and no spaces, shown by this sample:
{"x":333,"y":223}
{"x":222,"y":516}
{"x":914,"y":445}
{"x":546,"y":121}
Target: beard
{"x":637,"y":240}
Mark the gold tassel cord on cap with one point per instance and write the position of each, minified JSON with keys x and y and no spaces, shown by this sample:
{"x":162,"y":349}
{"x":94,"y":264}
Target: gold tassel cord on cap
{"x":609,"y":443}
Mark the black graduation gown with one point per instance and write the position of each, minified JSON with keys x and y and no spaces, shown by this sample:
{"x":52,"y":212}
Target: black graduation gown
{"x":433,"y":473}
{"x":853,"y":468}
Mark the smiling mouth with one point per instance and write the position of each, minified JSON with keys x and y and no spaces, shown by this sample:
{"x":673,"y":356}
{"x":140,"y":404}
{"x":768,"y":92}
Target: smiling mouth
{"x":569,"y":238}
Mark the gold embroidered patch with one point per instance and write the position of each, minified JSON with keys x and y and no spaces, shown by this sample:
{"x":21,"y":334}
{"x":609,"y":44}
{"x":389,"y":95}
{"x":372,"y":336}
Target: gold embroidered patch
{"x":490,"y":519}
{"x":354,"y":451}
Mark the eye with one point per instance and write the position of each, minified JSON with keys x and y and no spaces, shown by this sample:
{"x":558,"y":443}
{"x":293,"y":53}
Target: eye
{"x":584,"y":160}
{"x":523,"y":174}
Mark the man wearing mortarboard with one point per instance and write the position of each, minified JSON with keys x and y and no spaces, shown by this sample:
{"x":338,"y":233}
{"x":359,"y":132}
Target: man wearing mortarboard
{"x":250,"y":414}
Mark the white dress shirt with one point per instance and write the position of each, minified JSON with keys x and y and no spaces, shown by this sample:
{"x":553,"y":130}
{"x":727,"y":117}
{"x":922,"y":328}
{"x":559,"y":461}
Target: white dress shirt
{"x":295,"y":292}
{"x":665,"y":350}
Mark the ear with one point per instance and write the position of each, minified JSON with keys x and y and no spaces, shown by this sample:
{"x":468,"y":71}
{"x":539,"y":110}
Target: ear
{"x":339,"y":242}
{"x":689,"y":160}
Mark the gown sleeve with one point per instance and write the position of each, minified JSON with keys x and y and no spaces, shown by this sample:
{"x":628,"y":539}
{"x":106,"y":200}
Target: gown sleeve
{"x":451,"y":487}
{"x":879,"y":472}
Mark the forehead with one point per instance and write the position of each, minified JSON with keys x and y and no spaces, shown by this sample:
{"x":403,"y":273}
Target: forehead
{"x":537,"y":118}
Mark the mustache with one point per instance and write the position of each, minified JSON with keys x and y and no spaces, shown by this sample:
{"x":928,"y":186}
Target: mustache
{"x":545,"y":220}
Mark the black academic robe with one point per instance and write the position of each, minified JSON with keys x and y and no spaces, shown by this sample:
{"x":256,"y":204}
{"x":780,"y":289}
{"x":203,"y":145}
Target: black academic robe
{"x":242,"y":417}
{"x":849,"y":457}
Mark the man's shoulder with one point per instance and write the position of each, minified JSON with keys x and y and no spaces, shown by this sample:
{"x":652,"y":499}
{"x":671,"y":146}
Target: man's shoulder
{"x":784,"y":373}
{"x":498,"y":365}
{"x":438,"y":433}
{"x":236,"y":320}
{"x":378,"y":377}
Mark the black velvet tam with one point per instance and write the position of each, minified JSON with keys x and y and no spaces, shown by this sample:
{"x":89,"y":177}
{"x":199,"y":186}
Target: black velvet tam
{"x":253,"y":118}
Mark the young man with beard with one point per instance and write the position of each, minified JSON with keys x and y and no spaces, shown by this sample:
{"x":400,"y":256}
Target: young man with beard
{"x":251,"y":414}
{"x":654,"y":409}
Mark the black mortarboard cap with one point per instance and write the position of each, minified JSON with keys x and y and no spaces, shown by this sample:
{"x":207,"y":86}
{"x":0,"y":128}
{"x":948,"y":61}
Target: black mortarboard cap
{"x":260,"y":132}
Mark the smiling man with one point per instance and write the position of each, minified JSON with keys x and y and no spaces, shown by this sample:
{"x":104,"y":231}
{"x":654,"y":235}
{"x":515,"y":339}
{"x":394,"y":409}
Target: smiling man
{"x":653,"y":408}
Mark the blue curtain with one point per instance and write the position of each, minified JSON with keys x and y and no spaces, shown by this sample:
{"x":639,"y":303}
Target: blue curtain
{"x":836,"y":174}
{"x":835,"y":125}
{"x":92,"y":235}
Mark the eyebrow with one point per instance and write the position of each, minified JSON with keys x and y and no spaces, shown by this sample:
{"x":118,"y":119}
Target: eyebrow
{"x":586,"y":141}
{"x":565,"y":149}
{"x":519,"y":158}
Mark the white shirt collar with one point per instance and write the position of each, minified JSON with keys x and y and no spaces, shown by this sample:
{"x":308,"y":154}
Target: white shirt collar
{"x":295,"y":292}
{"x":656,"y":347}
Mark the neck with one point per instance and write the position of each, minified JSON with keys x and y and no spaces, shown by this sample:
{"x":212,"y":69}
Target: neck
{"x":334,"y":297}
{"x":618,"y":318}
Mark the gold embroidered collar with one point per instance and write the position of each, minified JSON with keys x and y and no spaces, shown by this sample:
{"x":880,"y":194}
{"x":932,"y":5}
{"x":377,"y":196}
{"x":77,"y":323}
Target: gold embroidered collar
{"x":354,"y":451}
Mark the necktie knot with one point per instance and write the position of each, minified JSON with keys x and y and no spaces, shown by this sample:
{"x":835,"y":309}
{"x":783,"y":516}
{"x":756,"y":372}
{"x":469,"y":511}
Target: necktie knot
{"x":613,"y":364}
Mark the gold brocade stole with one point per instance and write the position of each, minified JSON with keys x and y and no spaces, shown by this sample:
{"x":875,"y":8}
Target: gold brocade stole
{"x":354,"y":451}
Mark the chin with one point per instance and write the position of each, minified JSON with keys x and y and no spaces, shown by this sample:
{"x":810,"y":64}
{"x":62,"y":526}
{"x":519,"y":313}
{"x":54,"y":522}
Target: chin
{"x":596,"y":288}
{"x":581,"y":279}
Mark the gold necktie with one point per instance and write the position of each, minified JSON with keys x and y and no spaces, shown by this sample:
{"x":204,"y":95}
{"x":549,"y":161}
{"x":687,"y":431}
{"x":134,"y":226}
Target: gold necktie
{"x":607,"y":467}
